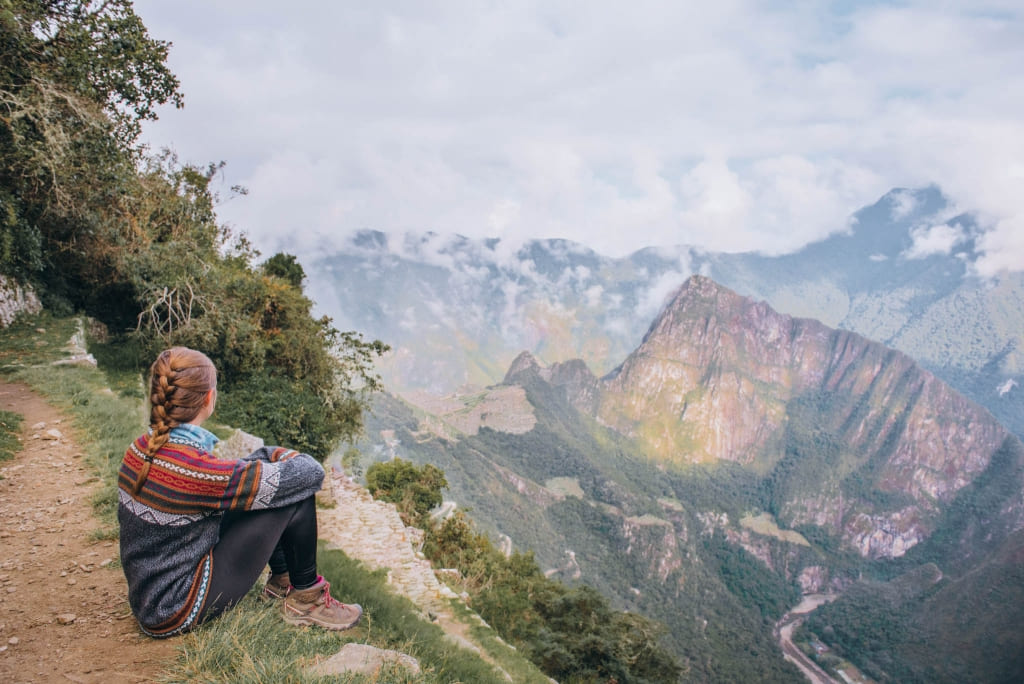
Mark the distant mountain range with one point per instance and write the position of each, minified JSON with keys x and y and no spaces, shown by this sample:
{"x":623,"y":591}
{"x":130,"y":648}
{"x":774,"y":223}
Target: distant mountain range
{"x":458,"y":311}
{"x":736,"y":458}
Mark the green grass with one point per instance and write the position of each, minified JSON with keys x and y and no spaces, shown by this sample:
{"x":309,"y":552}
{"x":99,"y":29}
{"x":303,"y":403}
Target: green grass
{"x":252,"y":644}
{"x":505,"y":655}
{"x":10,"y":425}
{"x":32,"y":340}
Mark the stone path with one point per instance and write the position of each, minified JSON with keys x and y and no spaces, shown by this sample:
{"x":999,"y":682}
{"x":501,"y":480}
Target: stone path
{"x":372,"y":532}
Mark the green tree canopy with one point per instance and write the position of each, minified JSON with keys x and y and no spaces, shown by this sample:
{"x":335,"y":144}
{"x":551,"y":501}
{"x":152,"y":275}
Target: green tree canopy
{"x":286,"y":267}
{"x":77,"y":79}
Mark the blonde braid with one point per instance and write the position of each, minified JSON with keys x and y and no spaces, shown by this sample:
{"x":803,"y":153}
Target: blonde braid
{"x":180,"y":380}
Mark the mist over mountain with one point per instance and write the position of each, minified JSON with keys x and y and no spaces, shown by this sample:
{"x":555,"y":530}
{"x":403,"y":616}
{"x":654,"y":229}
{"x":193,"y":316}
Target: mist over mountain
{"x":459,"y":311}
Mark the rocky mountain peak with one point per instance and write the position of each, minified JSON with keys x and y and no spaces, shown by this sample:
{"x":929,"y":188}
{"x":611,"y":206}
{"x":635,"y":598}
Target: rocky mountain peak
{"x":524,"y":363}
{"x":723,"y":377}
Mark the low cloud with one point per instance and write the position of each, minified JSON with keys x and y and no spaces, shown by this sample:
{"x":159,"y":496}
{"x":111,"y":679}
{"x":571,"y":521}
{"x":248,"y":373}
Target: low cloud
{"x":904,"y":203}
{"x":731,"y":126}
{"x":932,"y":240}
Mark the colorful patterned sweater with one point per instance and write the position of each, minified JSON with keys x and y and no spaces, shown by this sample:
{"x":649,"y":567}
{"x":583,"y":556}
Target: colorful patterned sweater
{"x":170,"y":527}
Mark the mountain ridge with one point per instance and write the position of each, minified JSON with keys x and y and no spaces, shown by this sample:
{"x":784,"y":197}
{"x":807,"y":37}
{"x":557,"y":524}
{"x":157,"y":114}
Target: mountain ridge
{"x":458,"y":310}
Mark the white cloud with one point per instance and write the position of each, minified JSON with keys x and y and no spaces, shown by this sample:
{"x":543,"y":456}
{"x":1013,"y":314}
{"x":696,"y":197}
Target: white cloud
{"x":903,"y":204}
{"x":930,"y":240}
{"x":1003,"y":247}
{"x":657,"y":295}
{"x":731,"y":125}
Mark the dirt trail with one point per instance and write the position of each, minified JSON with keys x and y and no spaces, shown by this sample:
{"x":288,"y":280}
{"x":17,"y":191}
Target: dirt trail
{"x":64,"y":613}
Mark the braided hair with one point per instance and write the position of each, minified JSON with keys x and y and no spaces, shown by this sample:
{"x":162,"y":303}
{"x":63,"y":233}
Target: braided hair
{"x":179,"y":381}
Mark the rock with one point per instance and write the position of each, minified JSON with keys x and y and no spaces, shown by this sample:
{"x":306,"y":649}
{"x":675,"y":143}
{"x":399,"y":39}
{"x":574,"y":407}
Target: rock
{"x":53,"y":434}
{"x":40,"y":425}
{"x":236,"y":446}
{"x":66,"y":618}
{"x":77,"y":360}
{"x":14,"y":641}
{"x":462,"y":642}
{"x":325,"y":497}
{"x":363,"y":659}
{"x":453,"y":573}
{"x":97,"y":330}
{"x":813,"y":579}
{"x":16,"y":298}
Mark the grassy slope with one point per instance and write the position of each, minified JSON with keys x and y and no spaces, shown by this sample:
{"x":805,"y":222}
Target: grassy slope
{"x":250,"y":644}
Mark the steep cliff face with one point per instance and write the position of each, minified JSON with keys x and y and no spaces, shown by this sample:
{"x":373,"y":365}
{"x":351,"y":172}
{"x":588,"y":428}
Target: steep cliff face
{"x":864,"y":441}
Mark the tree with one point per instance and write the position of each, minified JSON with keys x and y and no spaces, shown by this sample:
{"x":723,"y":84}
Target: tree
{"x":285,"y":266}
{"x":77,"y":79}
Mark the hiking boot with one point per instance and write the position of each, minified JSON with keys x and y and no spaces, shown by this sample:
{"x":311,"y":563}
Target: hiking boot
{"x":315,"y":606}
{"x":277,"y":587}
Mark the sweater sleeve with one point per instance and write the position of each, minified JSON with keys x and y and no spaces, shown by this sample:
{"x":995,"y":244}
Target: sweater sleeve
{"x":272,"y":477}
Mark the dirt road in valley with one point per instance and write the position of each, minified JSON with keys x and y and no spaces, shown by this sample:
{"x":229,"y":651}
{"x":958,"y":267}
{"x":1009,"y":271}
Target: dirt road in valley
{"x":64,"y":613}
{"x":784,"y":633}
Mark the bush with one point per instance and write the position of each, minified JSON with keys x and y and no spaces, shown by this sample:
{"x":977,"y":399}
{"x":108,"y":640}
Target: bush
{"x":571,"y":634}
{"x":414,"y":491}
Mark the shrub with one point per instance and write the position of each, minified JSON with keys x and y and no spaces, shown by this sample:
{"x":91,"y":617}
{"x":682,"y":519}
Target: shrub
{"x":414,"y":491}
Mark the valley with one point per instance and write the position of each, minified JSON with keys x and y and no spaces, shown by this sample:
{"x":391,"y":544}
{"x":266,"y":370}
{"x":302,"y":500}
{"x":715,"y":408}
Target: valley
{"x":737,"y":460}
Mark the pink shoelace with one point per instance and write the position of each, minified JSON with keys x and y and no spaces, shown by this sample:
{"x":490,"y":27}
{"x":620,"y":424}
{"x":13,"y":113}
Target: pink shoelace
{"x":328,"y":599}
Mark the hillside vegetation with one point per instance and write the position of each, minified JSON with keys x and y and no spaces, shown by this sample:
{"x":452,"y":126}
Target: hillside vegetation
{"x":635,"y":534}
{"x":100,"y":225}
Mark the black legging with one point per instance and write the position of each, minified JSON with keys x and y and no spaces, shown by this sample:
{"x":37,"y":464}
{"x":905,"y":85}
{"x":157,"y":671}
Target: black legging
{"x":285,"y":537}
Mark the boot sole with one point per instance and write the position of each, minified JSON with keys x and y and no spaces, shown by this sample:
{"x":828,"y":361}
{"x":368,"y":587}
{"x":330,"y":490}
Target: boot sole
{"x":308,"y":621}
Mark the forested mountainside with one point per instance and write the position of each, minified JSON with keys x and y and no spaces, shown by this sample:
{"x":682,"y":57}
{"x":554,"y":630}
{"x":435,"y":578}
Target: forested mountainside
{"x":458,"y":310}
{"x":737,"y":458}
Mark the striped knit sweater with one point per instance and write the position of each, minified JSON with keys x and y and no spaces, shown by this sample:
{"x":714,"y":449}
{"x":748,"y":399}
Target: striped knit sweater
{"x":170,"y":527}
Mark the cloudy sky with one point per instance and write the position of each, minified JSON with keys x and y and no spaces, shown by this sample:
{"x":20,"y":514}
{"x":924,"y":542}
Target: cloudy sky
{"x":734,"y":125}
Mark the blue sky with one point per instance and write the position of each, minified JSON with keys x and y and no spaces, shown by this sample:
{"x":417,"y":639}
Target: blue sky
{"x":734,"y":125}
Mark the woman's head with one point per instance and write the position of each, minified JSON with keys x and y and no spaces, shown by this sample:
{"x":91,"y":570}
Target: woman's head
{"x":182,"y":387}
{"x":180,"y":381}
